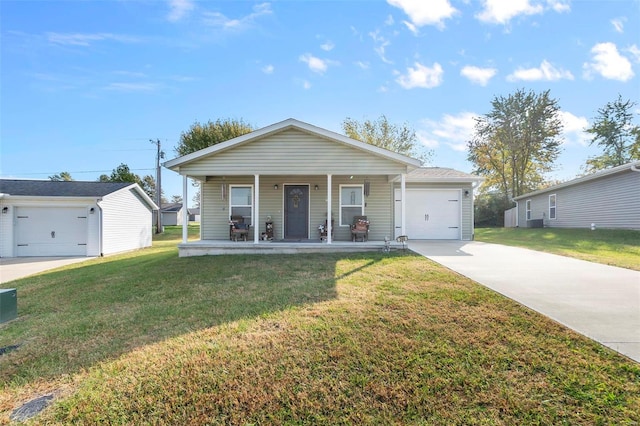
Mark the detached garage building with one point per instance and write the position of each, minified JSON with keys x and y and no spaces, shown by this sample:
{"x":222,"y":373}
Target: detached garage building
{"x":47,"y":218}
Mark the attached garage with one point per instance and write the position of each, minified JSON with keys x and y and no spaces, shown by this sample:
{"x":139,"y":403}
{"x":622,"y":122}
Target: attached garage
{"x":45,"y":218}
{"x":439,"y":204}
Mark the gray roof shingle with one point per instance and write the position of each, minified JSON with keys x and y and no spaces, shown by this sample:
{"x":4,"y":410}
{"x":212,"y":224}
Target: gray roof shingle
{"x":47,"y":188}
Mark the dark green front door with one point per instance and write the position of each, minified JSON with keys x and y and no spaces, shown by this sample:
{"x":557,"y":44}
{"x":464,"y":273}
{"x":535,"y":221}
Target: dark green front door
{"x":296,"y":212}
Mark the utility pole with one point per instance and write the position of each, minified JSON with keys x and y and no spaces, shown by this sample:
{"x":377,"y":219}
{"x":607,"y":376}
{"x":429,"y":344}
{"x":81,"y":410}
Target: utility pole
{"x":159,"y":155}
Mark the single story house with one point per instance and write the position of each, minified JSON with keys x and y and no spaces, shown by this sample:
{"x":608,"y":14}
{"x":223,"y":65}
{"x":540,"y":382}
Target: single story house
{"x":606,"y":199}
{"x":285,"y":180}
{"x":194,"y":214}
{"x":47,"y":218}
{"x":171,"y":214}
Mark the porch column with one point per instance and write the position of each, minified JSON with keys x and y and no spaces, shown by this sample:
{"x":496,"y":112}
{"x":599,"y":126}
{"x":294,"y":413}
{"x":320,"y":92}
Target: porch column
{"x":329,"y":227}
{"x":256,"y":213}
{"x":185,"y":212}
{"x":403,"y":202}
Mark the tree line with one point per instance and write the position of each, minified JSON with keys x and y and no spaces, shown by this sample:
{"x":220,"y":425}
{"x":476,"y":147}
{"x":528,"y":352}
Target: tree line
{"x":513,"y":146}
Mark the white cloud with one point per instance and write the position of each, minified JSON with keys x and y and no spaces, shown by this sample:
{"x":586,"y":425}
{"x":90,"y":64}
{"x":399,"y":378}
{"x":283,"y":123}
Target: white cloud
{"x":86,"y":40}
{"x":451,"y":130}
{"x":559,"y":5}
{"x":389,"y":21}
{"x":618,"y":24}
{"x":421,"y":13}
{"x":634,"y":51}
{"x":478,"y":75}
{"x":501,"y":11}
{"x":381,"y":45}
{"x":608,"y":63}
{"x":546,"y":72}
{"x":133,"y":87}
{"x":218,"y":20}
{"x":306,"y":85}
{"x":421,"y":76}
{"x":268,"y":69}
{"x":315,"y":64}
{"x":573,"y":128}
{"x":179,"y":9}
{"x":362,"y":65}
{"x":411,"y":27}
{"x":328,"y":46}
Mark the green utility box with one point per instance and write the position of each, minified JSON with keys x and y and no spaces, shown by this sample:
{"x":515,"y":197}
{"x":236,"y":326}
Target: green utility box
{"x":8,"y":304}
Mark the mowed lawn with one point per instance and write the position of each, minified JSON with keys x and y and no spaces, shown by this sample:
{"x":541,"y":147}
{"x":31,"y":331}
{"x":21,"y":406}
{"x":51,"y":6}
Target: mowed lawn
{"x":616,"y":247}
{"x":149,"y":338}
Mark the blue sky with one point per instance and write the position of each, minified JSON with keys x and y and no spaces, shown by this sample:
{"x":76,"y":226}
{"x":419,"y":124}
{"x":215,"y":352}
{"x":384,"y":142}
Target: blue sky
{"x":86,"y":84}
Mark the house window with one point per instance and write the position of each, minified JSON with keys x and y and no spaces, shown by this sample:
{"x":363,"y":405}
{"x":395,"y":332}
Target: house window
{"x":351,"y":203}
{"x":528,"y":209}
{"x":552,"y":206}
{"x":241,"y":202}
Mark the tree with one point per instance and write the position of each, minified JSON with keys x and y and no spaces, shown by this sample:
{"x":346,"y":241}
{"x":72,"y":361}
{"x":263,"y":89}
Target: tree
{"x":613,"y":130}
{"x":200,"y":136}
{"x":122,"y":173}
{"x":176,"y":199}
{"x":400,"y":139}
{"x":515,"y":144}
{"x":63,"y":176}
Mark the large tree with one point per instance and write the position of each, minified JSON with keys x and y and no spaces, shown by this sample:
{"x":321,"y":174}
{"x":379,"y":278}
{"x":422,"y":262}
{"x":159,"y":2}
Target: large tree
{"x":613,"y":130}
{"x":398,"y":138}
{"x":200,"y":136}
{"x":515,"y":144}
{"x":123,"y":173}
{"x":63,"y":176}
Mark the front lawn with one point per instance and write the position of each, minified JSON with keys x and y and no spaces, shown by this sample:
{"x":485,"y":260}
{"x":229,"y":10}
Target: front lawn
{"x":611,"y":247}
{"x":149,"y":338}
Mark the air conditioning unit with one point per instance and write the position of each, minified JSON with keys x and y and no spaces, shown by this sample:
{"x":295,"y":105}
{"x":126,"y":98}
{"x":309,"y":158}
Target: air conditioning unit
{"x":8,"y":304}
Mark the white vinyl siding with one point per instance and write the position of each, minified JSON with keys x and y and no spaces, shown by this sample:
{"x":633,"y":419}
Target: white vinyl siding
{"x":126,"y":222}
{"x":351,"y":203}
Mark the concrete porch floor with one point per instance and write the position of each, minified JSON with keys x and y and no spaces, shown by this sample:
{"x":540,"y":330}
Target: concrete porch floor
{"x":220,"y":247}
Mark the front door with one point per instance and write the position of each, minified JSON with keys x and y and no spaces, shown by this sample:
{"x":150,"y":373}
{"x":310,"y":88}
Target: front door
{"x":296,"y":211}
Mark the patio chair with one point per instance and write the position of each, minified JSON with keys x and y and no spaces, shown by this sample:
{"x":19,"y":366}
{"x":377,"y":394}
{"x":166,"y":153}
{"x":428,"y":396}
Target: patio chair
{"x":360,"y":228}
{"x":238,"y":229}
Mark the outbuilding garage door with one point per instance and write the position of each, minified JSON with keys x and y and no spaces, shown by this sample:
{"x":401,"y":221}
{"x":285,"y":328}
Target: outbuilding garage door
{"x":432,"y":214}
{"x":51,"y":231}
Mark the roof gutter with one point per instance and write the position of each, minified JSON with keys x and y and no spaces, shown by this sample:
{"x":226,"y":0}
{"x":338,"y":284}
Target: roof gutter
{"x":633,"y":167}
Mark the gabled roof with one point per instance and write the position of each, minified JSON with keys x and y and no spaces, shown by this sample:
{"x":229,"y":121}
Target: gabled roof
{"x":171,"y":207}
{"x":286,"y":125}
{"x":47,"y":188}
{"x":73,"y":189}
{"x":635,"y":166}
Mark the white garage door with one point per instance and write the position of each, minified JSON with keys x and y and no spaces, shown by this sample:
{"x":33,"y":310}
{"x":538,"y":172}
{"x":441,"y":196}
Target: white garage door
{"x":51,"y":231}
{"x":432,"y":214}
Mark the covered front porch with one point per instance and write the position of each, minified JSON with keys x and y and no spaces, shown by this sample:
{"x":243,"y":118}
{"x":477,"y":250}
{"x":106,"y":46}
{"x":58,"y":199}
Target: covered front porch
{"x":222,"y":247}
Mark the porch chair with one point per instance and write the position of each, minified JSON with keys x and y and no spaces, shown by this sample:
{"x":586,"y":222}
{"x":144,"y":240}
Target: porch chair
{"x":238,"y":229}
{"x":360,"y":228}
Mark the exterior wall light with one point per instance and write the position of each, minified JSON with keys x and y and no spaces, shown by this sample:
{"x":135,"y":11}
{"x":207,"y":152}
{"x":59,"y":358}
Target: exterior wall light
{"x":275,"y":187}
{"x":316,"y":187}
{"x":5,"y":210}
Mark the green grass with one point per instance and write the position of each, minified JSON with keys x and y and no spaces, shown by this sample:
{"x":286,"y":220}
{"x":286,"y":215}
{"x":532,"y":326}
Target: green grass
{"x":149,"y":338}
{"x":611,"y":247}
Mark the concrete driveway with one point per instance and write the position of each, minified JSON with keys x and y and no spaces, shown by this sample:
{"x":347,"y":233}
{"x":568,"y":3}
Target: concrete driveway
{"x":599,"y":301}
{"x":20,"y":267}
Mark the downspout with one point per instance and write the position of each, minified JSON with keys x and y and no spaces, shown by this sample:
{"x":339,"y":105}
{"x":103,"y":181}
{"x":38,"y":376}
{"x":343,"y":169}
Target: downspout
{"x":99,"y":226}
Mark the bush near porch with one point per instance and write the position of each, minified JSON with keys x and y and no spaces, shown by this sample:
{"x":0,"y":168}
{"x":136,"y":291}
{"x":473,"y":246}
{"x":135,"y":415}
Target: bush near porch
{"x":148,"y":337}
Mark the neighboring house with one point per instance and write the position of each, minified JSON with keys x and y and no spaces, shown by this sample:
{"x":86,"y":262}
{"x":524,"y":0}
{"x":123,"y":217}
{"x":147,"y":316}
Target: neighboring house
{"x":606,"y":199}
{"x":194,"y":214}
{"x":171,"y":214}
{"x":292,"y":173}
{"x":46,"y":218}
